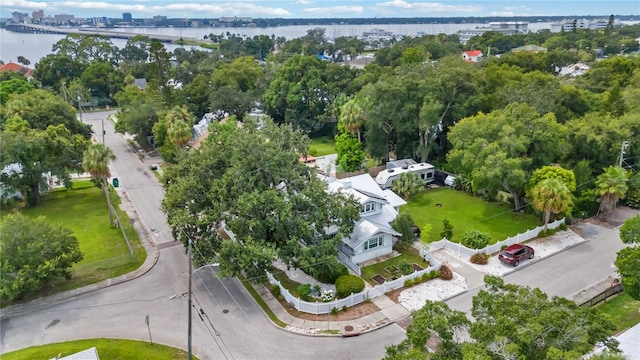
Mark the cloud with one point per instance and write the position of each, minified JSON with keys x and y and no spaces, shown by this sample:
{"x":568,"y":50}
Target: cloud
{"x":21,"y":4}
{"x":332,"y":10}
{"x":303,"y":2}
{"x":171,"y":9}
{"x":427,"y":7}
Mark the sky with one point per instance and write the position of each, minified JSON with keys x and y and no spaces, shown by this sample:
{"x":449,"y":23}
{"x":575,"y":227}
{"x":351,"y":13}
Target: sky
{"x":321,"y":8}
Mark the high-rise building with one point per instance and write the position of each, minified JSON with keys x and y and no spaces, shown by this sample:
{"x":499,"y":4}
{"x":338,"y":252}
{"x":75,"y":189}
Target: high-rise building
{"x":126,"y":17}
{"x":37,"y":16}
{"x":19,"y":17}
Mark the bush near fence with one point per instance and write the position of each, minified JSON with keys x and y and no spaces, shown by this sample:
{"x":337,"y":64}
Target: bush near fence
{"x":490,"y":249}
{"x":319,"y":308}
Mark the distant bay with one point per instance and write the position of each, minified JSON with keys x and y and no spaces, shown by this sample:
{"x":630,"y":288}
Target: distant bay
{"x":36,"y":46}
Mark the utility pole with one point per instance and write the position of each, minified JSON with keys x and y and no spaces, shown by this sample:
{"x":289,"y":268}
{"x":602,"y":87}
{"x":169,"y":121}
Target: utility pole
{"x":189,"y":303}
{"x":79,"y":108}
{"x":103,"y":132}
{"x":622,"y":149}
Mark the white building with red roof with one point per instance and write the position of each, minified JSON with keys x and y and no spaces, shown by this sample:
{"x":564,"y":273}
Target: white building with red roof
{"x":472,"y":55}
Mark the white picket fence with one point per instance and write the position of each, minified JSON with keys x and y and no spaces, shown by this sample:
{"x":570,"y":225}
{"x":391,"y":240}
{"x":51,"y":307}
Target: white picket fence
{"x":490,"y":249}
{"x":319,"y":308}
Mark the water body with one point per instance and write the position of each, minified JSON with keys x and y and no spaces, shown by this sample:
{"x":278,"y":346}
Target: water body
{"x":36,"y":46}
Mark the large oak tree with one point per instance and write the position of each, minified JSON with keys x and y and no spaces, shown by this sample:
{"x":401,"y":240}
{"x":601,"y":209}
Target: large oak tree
{"x":251,"y":183}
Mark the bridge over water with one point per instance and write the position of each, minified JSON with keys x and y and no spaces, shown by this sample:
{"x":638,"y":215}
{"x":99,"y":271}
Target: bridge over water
{"x":42,"y":29}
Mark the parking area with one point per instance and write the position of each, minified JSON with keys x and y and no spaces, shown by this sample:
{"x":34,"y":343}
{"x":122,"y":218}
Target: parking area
{"x":468,"y":275}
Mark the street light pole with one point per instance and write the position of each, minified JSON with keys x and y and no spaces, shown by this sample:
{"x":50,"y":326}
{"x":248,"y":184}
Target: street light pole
{"x":189,"y":303}
{"x":79,"y":108}
{"x":622,"y":149}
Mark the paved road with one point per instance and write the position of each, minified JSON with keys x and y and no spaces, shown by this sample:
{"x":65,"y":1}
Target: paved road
{"x":119,"y":311}
{"x":568,"y":272}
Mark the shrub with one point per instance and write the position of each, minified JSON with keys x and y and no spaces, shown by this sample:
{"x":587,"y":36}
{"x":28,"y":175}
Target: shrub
{"x":474,"y":239}
{"x":447,"y":230}
{"x":405,"y":268}
{"x":445,"y":273}
{"x":348,"y":284}
{"x":329,"y":274}
{"x":503,"y":247}
{"x":480,"y":259}
{"x":434,"y":274}
{"x":276,"y":291}
{"x":345,"y":308}
{"x":409,"y":283}
{"x":304,"y":290}
{"x":334,"y":311}
{"x":563,"y":227}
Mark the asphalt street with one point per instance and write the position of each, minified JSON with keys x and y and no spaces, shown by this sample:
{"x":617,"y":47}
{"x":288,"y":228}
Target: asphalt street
{"x":233,"y":327}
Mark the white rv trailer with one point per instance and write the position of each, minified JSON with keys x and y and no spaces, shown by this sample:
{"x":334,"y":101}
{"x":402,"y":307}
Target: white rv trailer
{"x":425,"y":171}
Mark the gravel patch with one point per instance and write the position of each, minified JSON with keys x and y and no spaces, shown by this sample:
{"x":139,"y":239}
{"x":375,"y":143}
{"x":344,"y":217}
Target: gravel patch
{"x":415,"y":297}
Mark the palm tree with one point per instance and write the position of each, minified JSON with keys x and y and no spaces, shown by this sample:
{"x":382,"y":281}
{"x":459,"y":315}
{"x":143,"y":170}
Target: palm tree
{"x":23,"y":60}
{"x":96,"y":162}
{"x":178,"y":126}
{"x":407,"y":185}
{"x":611,"y":186}
{"x":352,"y":117}
{"x":551,"y":196}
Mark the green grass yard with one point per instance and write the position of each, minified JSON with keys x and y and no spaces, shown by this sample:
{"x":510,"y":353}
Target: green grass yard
{"x":83,"y":210}
{"x":623,"y":310}
{"x":322,"y":146}
{"x":466,"y":212}
{"x":107,"y":349}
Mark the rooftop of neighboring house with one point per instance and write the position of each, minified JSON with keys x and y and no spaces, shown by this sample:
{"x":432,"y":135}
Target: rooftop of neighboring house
{"x":11,"y":66}
{"x":533,"y":48}
{"x":473,"y":53}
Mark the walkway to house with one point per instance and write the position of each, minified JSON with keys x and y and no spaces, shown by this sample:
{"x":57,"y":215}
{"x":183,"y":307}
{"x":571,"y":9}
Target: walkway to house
{"x":301,"y":277}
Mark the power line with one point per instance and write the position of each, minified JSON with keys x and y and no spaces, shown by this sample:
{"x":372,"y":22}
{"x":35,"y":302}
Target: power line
{"x":229,"y":293}
{"x":202,"y":315}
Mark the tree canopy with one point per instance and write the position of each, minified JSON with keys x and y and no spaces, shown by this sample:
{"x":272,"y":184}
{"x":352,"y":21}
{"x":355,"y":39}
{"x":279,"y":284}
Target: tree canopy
{"x":498,"y":150}
{"x":511,"y":322}
{"x":249,"y":182}
{"x":628,"y":259}
{"x":34,"y":252}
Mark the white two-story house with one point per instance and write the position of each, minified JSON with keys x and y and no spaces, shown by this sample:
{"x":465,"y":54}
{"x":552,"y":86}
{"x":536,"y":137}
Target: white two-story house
{"x":372,"y":235}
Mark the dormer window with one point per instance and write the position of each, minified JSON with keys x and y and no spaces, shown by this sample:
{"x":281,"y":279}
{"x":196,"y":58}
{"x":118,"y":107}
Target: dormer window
{"x":368,"y":207}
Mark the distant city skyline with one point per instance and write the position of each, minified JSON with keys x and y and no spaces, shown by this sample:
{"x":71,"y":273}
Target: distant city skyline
{"x":322,"y":8}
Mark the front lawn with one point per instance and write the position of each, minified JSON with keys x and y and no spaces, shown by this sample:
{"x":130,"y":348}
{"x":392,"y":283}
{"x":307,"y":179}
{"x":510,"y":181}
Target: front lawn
{"x":410,"y":255}
{"x":107,"y":349}
{"x":83,"y":210}
{"x":322,"y":146}
{"x":466,"y":212}
{"x":623,"y":310}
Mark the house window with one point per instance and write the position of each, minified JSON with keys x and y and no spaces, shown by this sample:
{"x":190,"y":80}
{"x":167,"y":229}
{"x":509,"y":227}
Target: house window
{"x":373,"y":243}
{"x":368,"y":207}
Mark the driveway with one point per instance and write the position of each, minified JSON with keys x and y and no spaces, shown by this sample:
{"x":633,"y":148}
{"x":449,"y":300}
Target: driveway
{"x":565,"y":273}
